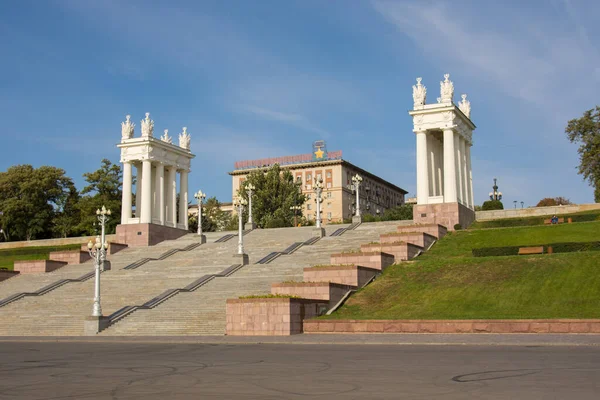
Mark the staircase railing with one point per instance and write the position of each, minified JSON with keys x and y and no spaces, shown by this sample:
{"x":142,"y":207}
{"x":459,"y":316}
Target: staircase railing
{"x":341,"y":231}
{"x":169,"y":293}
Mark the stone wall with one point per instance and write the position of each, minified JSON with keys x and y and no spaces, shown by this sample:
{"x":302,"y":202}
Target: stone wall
{"x":141,"y":235}
{"x":375,"y":260}
{"x":534,"y":211}
{"x":270,"y":316}
{"x":400,"y":250}
{"x":435,"y":230}
{"x":353,"y":275}
{"x":37,"y":266}
{"x":421,"y":239}
{"x":326,"y":291}
{"x":445,"y":214}
{"x":70,"y":256}
{"x":454,"y":326}
{"x":52,"y":242}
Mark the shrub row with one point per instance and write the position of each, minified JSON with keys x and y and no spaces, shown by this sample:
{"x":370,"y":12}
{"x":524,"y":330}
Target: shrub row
{"x":569,"y":247}
{"x":40,"y":250}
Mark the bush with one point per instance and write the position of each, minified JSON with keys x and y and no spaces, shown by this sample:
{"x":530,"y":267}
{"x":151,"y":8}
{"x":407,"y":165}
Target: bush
{"x":492,"y":205}
{"x":553,"y":201}
{"x":569,"y":247}
{"x":457,"y":227}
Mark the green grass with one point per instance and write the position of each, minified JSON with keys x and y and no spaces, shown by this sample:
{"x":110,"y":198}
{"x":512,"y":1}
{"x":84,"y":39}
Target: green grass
{"x":9,"y":256}
{"x":449,"y":283}
{"x":583,"y":216}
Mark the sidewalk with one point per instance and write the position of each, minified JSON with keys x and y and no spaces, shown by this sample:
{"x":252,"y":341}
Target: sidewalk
{"x":477,"y":339}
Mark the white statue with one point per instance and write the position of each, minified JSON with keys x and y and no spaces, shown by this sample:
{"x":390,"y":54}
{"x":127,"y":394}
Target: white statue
{"x":184,"y":139}
{"x":465,"y":106}
{"x":419,"y":93}
{"x":447,"y":89}
{"x":127,"y":128}
{"x":147,"y":126}
{"x":166,"y":137}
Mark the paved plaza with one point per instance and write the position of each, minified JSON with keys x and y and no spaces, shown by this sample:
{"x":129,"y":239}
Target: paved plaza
{"x":183,"y":369}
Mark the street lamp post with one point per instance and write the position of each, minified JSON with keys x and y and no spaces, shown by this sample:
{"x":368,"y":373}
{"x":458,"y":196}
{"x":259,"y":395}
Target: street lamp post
{"x":318,"y":188}
{"x":295,"y":209}
{"x":250,"y":189}
{"x":240,"y":204}
{"x":200,"y":196}
{"x":97,"y":251}
{"x":356,"y":181}
{"x":522,"y":204}
{"x":495,"y":195}
{"x":514,"y":201}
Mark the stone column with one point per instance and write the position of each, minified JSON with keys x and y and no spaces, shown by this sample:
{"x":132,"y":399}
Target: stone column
{"x":138,"y":190}
{"x":183,"y":199}
{"x":127,"y":196}
{"x":464,"y":173}
{"x":458,"y":168}
{"x":449,"y":167}
{"x":422,"y":174}
{"x":171,"y":193}
{"x":146,"y":201}
{"x":432,"y":165}
{"x":159,"y":187}
{"x":439,"y":149}
{"x":470,"y":176}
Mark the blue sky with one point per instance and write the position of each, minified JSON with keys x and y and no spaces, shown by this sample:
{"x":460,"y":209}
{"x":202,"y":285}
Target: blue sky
{"x":257,"y":79}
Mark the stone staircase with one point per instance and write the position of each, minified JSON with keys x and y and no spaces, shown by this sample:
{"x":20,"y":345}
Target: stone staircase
{"x":62,"y":311}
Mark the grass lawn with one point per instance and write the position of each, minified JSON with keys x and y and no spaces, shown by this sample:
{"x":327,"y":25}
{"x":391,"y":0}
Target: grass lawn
{"x":9,"y":256}
{"x":448,"y":283}
{"x":583,"y":216}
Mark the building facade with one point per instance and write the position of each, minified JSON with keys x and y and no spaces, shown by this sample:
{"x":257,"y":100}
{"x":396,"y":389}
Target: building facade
{"x":339,"y":200}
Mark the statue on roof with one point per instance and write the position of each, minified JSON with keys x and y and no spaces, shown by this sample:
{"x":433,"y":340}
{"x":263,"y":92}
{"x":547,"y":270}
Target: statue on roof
{"x":465,"y":106}
{"x":446,"y":89}
{"x":147,"y":126}
{"x":127,"y":128}
{"x":419,"y":93}
{"x":184,"y":139}
{"x":166,"y":138}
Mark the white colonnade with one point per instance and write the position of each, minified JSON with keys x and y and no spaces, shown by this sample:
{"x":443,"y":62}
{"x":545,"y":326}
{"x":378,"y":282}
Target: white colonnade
{"x":158,"y":162}
{"x":444,"y":139}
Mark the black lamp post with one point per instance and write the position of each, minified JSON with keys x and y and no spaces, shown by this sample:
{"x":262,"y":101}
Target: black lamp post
{"x":495,"y":195}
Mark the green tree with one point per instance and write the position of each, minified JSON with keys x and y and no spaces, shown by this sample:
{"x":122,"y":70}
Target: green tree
{"x":213,"y":218}
{"x":103,"y":189}
{"x":275,"y":193}
{"x":67,"y":215}
{"x":403,"y":212}
{"x":492,"y":205}
{"x":553,"y":201}
{"x":30,"y":199}
{"x":586,"y":132}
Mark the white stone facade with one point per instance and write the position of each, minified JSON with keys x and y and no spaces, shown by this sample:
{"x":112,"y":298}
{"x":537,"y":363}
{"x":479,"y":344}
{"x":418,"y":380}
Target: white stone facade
{"x":157,"y":163}
{"x":444,"y":133}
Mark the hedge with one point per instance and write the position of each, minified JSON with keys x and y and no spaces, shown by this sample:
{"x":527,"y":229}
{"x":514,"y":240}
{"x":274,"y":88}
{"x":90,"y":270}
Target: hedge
{"x":569,"y":247}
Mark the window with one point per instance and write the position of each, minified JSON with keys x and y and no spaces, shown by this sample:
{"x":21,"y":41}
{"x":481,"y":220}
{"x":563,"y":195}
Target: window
{"x":308,"y":187}
{"x":308,"y":196}
{"x":308,"y":217}
{"x":329,"y":174}
{"x":328,"y":195}
{"x":328,"y":205}
{"x":328,"y":185}
{"x":309,"y":206}
{"x":308,"y":177}
{"x":328,"y":215}
{"x":319,"y":177}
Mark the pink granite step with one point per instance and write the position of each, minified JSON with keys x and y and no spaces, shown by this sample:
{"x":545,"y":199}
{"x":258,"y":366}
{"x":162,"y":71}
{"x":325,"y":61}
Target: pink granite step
{"x":418,"y":238}
{"x":436,"y":230}
{"x":38,"y":266}
{"x":326,"y":291}
{"x":374,"y":259}
{"x":354,"y":275}
{"x":401,"y":251}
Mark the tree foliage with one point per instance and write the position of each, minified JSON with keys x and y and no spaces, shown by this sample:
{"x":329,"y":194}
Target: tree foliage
{"x":553,"y":201}
{"x":30,"y":200}
{"x":586,"y":132}
{"x":103,"y":189}
{"x":213,"y":217}
{"x":275,"y":192}
{"x":492,"y":205}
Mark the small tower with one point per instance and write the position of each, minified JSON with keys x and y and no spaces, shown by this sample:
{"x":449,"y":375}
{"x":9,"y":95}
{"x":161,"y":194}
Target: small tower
{"x":444,"y":134}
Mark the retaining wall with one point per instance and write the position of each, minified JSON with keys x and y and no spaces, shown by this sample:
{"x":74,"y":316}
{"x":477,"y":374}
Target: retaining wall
{"x":533,"y":211}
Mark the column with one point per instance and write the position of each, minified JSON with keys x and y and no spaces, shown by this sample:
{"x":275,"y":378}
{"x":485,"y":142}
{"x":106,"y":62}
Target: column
{"x":463,"y":170}
{"x":159,"y":195}
{"x":431,"y":165}
{"x":183,"y":199}
{"x":440,"y":170}
{"x":146,"y":201}
{"x":449,"y":167}
{"x":422,"y":174}
{"x":469,"y":176}
{"x":458,"y":168}
{"x":127,"y":196}
{"x":138,"y":190}
{"x":171,"y":193}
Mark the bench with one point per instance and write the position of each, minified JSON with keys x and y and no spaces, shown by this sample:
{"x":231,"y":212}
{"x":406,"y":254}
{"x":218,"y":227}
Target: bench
{"x":549,"y":221}
{"x":531,"y":250}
